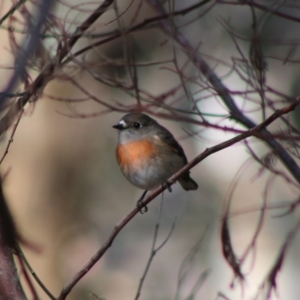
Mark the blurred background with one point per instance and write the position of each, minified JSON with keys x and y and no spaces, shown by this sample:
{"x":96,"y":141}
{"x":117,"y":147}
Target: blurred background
{"x":64,"y":187}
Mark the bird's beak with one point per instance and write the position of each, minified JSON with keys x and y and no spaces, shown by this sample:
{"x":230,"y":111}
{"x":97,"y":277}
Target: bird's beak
{"x":119,"y":126}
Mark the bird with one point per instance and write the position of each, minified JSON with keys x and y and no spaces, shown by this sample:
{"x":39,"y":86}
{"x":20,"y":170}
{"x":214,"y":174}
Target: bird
{"x":148,"y":154}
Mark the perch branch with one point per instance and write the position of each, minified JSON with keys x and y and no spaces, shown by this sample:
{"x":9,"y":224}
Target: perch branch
{"x":108,"y":242}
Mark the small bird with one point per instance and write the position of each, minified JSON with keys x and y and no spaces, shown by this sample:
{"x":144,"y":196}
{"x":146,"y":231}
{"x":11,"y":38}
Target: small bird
{"x":148,"y":154}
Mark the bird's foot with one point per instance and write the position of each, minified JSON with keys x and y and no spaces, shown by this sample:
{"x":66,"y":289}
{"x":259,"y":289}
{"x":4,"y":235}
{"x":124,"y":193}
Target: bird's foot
{"x":167,"y":186}
{"x":140,"y":205}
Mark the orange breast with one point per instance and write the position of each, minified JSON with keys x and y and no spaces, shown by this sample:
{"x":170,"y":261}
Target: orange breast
{"x":134,"y":154}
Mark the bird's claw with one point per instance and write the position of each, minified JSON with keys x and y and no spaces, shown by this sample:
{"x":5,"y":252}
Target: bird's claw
{"x":167,"y":186}
{"x":141,"y":206}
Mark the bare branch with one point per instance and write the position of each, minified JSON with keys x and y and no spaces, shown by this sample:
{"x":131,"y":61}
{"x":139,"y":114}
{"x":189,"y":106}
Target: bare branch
{"x":20,"y":70}
{"x":11,"y":136}
{"x":270,"y":279}
{"x":262,"y":7}
{"x":222,"y":90}
{"x":45,"y":76}
{"x":12,"y":10}
{"x":228,"y":251}
{"x":154,"y":249}
{"x":10,"y":287}
{"x":34,"y":275}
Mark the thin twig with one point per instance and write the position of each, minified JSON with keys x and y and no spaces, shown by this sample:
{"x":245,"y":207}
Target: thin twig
{"x":45,"y":76}
{"x":37,"y":279}
{"x":222,"y":90}
{"x":27,"y":278}
{"x":154,"y":249}
{"x":31,"y":41}
{"x":258,"y":5}
{"x":260,"y":222}
{"x":12,"y":10}
{"x":270,"y":280}
{"x":187,"y":264}
{"x":116,"y":34}
{"x":10,"y":286}
{"x":11,"y":136}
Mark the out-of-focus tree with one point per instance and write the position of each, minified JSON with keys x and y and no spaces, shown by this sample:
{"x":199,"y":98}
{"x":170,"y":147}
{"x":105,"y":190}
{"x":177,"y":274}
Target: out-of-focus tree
{"x":226,"y":71}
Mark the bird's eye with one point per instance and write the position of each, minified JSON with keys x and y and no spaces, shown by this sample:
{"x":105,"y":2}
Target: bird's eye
{"x":137,"y":125}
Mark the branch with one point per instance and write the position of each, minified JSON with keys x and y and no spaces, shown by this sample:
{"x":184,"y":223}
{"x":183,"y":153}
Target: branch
{"x":116,"y":34}
{"x":32,"y":272}
{"x":12,"y":10}
{"x":263,"y":8}
{"x":10,"y":287}
{"x":31,"y":42}
{"x":222,"y":90}
{"x":154,"y":249}
{"x":108,"y":242}
{"x":186,"y":269}
{"x":11,"y":139}
{"x":270,"y":280}
{"x":45,"y":76}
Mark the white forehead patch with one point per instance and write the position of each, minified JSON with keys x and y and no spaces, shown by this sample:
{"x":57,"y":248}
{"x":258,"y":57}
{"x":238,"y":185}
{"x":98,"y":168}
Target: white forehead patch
{"x":122,"y":122}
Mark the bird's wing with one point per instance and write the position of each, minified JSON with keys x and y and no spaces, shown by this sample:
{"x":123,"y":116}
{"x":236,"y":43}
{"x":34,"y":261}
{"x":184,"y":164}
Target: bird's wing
{"x":166,"y":137}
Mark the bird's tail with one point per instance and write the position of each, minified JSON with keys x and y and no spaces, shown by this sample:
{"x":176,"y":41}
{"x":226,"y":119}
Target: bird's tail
{"x":187,"y":182}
